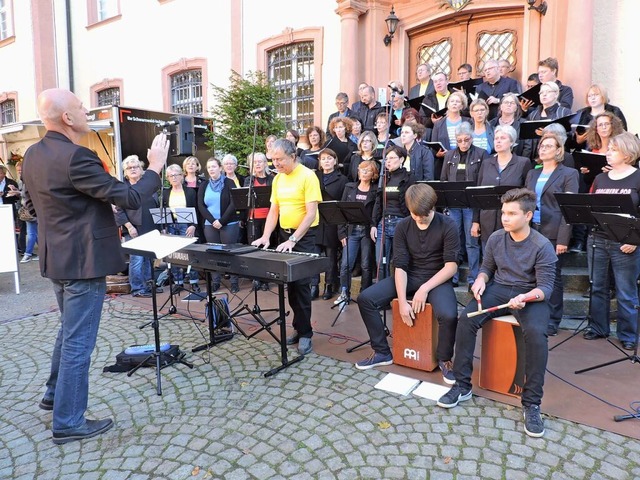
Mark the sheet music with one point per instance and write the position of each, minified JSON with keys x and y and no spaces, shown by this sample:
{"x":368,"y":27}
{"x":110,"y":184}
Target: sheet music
{"x":158,"y":244}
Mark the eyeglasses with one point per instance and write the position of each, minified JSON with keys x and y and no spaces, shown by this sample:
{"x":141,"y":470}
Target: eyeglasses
{"x":175,"y":175}
{"x":365,"y":170}
{"x":463,"y":140}
{"x":392,"y":158}
{"x":488,"y":69}
{"x":508,"y":102}
{"x":136,"y":167}
{"x":547,"y":146}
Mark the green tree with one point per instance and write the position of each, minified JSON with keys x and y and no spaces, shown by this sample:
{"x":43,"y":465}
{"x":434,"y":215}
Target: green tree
{"x":233,"y":127}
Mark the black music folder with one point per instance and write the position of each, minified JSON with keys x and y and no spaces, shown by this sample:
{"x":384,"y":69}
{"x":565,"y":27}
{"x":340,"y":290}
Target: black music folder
{"x":435,"y":147}
{"x":578,"y":208}
{"x":620,"y":227}
{"x":418,"y":104}
{"x":468,"y":86}
{"x":240,"y":197}
{"x":487,"y":197}
{"x":451,"y":194}
{"x":336,"y":212}
{"x":593,"y":161}
{"x":579,"y":129}
{"x":528,"y":128}
{"x":533,"y":95}
{"x":230,"y":248}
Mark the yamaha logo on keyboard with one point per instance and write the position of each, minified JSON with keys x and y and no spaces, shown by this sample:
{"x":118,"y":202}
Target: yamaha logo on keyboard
{"x":179,"y":256}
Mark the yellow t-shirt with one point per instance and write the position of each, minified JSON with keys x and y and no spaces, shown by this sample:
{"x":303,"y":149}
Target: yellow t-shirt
{"x":291,"y":192}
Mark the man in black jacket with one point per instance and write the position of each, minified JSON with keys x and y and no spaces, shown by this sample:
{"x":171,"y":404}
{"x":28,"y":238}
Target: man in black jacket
{"x":78,"y":242}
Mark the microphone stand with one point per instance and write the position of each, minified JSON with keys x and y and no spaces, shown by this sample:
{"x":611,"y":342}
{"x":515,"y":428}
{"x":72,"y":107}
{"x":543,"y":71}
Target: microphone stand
{"x":382,"y":183}
{"x":251,"y":200}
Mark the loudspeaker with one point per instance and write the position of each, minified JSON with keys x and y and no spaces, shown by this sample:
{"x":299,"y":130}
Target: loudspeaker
{"x":185,"y":137}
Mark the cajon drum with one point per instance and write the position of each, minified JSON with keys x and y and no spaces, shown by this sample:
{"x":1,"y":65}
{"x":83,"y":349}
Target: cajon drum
{"x":502,"y":356}
{"x":415,"y":347}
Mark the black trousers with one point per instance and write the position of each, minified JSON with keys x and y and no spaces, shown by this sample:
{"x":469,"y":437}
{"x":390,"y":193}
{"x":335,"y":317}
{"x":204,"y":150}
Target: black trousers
{"x":299,"y":292}
{"x":442,"y":300}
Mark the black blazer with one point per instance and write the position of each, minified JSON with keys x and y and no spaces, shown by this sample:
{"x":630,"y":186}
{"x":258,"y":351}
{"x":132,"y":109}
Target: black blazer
{"x":72,"y":196}
{"x":514,"y":174}
{"x":227,"y":209}
{"x":415,"y":90}
{"x":552,"y":223}
{"x":440,"y":134}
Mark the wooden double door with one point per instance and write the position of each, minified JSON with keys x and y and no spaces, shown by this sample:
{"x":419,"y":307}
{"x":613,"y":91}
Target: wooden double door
{"x":469,"y":38}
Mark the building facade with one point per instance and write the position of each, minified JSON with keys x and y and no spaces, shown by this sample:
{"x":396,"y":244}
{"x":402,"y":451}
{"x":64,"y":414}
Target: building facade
{"x":165,"y":54}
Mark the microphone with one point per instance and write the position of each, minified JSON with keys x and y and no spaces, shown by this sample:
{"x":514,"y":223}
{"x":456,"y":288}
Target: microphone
{"x":393,"y":88}
{"x":170,"y":123}
{"x":255,"y":111}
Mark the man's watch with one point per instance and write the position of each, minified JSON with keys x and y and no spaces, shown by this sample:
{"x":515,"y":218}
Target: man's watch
{"x":293,"y":239}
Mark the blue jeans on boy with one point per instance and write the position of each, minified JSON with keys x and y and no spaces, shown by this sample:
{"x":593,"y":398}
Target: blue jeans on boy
{"x":80,"y":303}
{"x":464,"y":218}
{"x":383,"y":267}
{"x":626,"y":269}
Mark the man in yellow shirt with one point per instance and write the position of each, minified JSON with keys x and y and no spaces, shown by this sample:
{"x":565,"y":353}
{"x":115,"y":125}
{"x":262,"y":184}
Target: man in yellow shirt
{"x":295,"y":196}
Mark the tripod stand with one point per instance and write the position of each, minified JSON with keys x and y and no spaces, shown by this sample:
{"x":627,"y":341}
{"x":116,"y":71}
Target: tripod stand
{"x":341,"y":213}
{"x":581,"y":208}
{"x":624,"y":230}
{"x":153,"y":245}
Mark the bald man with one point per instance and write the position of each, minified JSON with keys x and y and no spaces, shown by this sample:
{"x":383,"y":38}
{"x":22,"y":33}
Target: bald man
{"x":72,"y":194}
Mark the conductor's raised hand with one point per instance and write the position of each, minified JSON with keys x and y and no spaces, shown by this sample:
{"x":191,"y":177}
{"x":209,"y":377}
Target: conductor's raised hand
{"x":157,"y":153}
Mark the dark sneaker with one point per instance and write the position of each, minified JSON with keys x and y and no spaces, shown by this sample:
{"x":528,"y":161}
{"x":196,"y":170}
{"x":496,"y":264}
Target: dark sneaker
{"x":293,"y":339}
{"x":552,"y":330}
{"x":453,"y":397}
{"x":234,"y":288}
{"x":46,"y":404}
{"x":304,"y":346}
{"x":375,"y":360}
{"x":447,"y":372}
{"x":90,"y":429}
{"x":533,"y":424}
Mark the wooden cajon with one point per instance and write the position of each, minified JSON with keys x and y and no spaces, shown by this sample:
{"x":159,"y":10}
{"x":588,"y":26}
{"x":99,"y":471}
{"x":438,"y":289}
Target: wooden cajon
{"x":415,"y":347}
{"x":502,"y":356}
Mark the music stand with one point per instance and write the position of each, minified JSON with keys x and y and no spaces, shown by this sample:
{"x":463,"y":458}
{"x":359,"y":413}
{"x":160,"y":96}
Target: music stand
{"x":250,"y":198}
{"x":165,"y":216}
{"x":625,"y":230}
{"x":451,"y":194}
{"x":487,"y":197}
{"x":340,"y":213}
{"x":579,"y":209}
{"x":153,"y":245}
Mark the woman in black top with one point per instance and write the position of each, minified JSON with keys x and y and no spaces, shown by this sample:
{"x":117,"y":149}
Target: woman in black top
{"x":357,"y":239}
{"x":597,"y":102}
{"x":390,"y":206}
{"x":316,"y":138}
{"x":340,"y":128}
{"x":609,"y":255}
{"x":332,"y":184}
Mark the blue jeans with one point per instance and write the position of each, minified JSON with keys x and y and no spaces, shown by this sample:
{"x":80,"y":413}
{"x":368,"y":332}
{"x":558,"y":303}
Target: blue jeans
{"x":139,"y":273}
{"x":626,"y":269}
{"x":32,"y":237}
{"x":80,"y":303}
{"x":358,"y":241}
{"x":533,"y":319}
{"x":390,"y":223}
{"x":177,"y":229}
{"x":464,"y":218}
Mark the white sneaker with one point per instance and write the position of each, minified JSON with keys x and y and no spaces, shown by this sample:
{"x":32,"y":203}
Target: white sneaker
{"x":26,"y":258}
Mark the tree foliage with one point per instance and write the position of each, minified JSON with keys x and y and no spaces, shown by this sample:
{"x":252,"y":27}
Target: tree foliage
{"x":233,"y":127}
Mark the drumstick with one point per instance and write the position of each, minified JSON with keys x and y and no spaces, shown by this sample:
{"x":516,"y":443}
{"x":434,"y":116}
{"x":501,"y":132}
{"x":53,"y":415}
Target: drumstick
{"x":504,"y":305}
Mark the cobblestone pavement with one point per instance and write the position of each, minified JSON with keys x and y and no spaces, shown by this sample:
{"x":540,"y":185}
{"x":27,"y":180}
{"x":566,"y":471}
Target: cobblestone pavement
{"x":318,"y":419}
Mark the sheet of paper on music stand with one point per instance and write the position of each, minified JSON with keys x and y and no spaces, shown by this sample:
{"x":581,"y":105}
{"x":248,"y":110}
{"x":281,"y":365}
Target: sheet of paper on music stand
{"x":431,"y":391}
{"x":158,"y":244}
{"x":173,"y":215}
{"x":397,"y":384}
